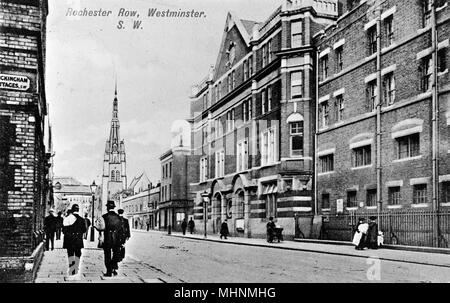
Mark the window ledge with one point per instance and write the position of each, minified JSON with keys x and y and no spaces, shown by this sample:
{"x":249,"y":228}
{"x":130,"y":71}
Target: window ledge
{"x":388,"y":48}
{"x":371,"y":207}
{"x":394,"y":206}
{"x":445,"y":204}
{"x":351,"y":208}
{"x":268,"y":165}
{"x":442,"y":7}
{"x":326,"y":173}
{"x":420,"y":205}
{"x":443,"y":73}
{"x":422,"y":30}
{"x":407,"y":159}
{"x":368,"y":58}
{"x":361,"y":167}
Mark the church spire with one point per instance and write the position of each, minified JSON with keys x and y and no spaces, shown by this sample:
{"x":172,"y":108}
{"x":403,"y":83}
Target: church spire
{"x":115,"y":89}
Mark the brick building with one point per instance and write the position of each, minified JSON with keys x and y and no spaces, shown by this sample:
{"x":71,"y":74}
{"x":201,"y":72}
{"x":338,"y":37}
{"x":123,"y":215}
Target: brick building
{"x":24,"y":162}
{"x":376,"y":68}
{"x":175,"y":202}
{"x":254,"y":121}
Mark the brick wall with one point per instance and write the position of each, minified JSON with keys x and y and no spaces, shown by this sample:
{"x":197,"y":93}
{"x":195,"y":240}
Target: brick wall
{"x":23,"y":169}
{"x":410,"y":103}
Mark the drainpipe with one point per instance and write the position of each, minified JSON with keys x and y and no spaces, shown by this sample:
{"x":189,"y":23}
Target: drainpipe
{"x":315,"y":163}
{"x":435,"y":123}
{"x":378,"y":118}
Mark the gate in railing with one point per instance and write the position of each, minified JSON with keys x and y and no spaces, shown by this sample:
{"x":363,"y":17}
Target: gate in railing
{"x":400,"y":227}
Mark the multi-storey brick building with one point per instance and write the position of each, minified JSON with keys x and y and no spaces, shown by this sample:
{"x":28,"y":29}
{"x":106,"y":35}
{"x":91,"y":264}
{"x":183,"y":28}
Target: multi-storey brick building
{"x":24,"y":162}
{"x":175,"y":199}
{"x":254,"y":121}
{"x":383,"y":105}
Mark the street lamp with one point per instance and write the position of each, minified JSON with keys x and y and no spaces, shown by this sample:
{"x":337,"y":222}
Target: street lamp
{"x":205,"y":198}
{"x":93,"y":190}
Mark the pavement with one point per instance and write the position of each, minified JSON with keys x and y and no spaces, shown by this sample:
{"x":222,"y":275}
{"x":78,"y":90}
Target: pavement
{"x":156,"y":257}
{"x":54,"y":265}
{"x":405,"y":256}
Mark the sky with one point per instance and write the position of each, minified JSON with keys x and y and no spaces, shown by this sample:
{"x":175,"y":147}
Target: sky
{"x":155,"y":66}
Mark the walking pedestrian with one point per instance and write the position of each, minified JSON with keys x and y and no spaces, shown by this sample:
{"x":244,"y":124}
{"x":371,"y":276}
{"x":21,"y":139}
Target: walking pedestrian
{"x":59,"y":225}
{"x":112,"y":227}
{"x":88,"y":224}
{"x":191,"y":225}
{"x":372,"y":233}
{"x":50,"y":229}
{"x":125,"y":235}
{"x":270,"y":226}
{"x":184,"y":226}
{"x":224,"y":230}
{"x":73,"y":228}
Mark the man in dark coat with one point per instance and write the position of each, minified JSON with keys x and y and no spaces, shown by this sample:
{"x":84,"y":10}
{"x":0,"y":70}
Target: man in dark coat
{"x":184,"y":226}
{"x":270,"y":230}
{"x":73,"y":228}
{"x":224,"y":229}
{"x":372,"y":233}
{"x":59,"y":225}
{"x":50,"y":229}
{"x":191,"y":226}
{"x":113,"y":228}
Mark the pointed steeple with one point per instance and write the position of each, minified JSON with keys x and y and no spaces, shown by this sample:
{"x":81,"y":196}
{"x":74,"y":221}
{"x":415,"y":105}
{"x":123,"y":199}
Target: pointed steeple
{"x":114,"y":138}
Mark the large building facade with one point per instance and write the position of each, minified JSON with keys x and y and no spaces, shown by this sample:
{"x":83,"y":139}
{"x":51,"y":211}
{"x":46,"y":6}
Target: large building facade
{"x":383,"y":90}
{"x":253,"y":133}
{"x":24,"y":161}
{"x":378,"y":97}
{"x":114,"y":178}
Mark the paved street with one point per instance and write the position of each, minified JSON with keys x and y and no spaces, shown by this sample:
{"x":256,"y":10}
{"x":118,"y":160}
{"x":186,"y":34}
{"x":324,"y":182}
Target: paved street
{"x":54,"y":266}
{"x":192,"y":260}
{"x":155,"y":257}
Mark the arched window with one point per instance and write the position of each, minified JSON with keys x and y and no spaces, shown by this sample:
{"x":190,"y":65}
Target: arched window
{"x":117,"y":175}
{"x":113,"y":178}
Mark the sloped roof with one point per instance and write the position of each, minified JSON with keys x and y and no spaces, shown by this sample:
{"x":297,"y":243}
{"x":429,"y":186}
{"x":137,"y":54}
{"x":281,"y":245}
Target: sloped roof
{"x":74,"y":189}
{"x":248,"y":25}
{"x":66,"y":181}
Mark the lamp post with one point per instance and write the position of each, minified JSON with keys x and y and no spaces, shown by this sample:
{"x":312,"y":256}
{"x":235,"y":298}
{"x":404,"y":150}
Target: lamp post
{"x":205,"y":198}
{"x":93,"y":190}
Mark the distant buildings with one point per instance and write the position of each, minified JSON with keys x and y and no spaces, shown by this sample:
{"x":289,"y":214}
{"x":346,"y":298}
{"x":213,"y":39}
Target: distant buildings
{"x":25,"y":139}
{"x":140,"y":201}
{"x":68,"y":191}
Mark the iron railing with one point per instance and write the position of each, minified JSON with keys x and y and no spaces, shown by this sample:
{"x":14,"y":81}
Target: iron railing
{"x":411,"y":227}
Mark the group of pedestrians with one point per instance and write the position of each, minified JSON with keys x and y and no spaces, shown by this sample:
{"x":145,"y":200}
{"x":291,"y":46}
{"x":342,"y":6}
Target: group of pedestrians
{"x":113,"y":228}
{"x":366,"y":234}
{"x":185,"y":225}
